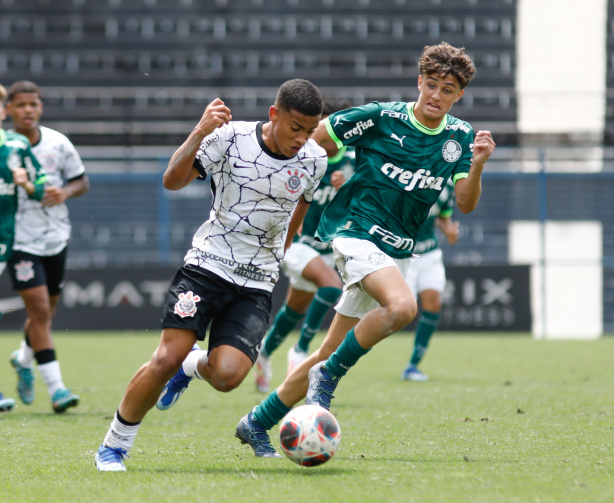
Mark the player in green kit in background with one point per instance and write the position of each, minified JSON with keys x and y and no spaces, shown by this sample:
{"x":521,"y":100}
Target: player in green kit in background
{"x":18,"y":168}
{"x":315,"y":286}
{"x":427,"y":276}
{"x":405,"y":153}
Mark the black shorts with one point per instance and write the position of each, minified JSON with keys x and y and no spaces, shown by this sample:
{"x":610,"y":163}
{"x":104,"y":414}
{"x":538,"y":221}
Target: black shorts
{"x":28,"y":271}
{"x":239,"y":316}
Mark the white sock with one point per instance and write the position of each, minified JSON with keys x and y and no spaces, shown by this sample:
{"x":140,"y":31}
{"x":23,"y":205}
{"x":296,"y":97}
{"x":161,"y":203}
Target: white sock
{"x":121,"y":436}
{"x":190,"y":364}
{"x":51,"y":374}
{"x":25,"y":357}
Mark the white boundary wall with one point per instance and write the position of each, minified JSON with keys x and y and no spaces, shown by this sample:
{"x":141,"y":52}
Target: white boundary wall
{"x":567,"y":284}
{"x":561,"y":67}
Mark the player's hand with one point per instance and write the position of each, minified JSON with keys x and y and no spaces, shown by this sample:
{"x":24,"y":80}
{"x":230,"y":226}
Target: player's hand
{"x":20,"y":176}
{"x":452,"y":232}
{"x":483,"y":147}
{"x":53,"y":196}
{"x":215,"y":115}
{"x":337,"y":179}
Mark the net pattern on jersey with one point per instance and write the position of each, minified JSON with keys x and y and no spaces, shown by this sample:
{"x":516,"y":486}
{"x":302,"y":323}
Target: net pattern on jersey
{"x":254,"y":197}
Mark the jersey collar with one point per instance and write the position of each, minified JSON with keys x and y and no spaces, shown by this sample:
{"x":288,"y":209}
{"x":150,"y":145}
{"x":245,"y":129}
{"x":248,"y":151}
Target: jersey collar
{"x":423,"y":128}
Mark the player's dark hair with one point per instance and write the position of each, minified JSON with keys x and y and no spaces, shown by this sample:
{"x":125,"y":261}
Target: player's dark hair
{"x":331,"y":106}
{"x":444,"y":59}
{"x":300,"y":95}
{"x":23,"y":86}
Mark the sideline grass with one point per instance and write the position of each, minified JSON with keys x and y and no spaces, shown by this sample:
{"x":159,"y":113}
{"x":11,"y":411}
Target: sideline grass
{"x":503,"y":418}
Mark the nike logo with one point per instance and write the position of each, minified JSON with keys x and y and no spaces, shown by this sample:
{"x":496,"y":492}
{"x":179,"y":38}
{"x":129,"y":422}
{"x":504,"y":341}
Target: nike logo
{"x":395,"y":137}
{"x":242,"y":167}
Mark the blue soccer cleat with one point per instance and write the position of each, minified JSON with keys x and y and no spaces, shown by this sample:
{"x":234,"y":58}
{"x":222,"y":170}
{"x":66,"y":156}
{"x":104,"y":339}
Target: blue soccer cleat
{"x":412,"y":373}
{"x":251,"y":432}
{"x":6,"y":404}
{"x":175,"y":387}
{"x":63,"y":399}
{"x":109,"y":459}
{"x":322,"y":384}
{"x":25,"y":380}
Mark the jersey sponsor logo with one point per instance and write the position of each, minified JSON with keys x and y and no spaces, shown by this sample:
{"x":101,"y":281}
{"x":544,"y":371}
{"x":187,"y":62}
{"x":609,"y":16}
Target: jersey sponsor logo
{"x":215,"y":258}
{"x":358,"y":129}
{"x":13,"y":161}
{"x":385,"y":236}
{"x":24,"y":270}
{"x":451,"y":151}
{"x":394,"y":114}
{"x":186,"y":305}
{"x":293,"y":184}
{"x":6,"y":189}
{"x":456,"y":127}
{"x":395,"y":137}
{"x":250,"y":272}
{"x":421,"y":179}
{"x":17,"y":144}
{"x":212,"y":138}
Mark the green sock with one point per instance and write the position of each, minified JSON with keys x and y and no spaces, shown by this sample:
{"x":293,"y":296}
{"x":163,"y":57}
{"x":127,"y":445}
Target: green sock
{"x":346,"y":355}
{"x":270,"y":411}
{"x":426,"y":328}
{"x":325,"y":298}
{"x":284,"y":323}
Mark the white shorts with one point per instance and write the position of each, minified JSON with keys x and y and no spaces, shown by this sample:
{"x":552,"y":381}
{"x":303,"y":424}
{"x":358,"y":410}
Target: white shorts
{"x":296,"y":259}
{"x":2,"y":267}
{"x":427,"y":272}
{"x":355,"y":259}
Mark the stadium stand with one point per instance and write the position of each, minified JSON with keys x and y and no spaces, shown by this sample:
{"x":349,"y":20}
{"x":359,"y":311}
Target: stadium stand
{"x":129,"y":62}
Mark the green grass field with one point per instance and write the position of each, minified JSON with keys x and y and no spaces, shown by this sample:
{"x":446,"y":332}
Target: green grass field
{"x":504,"y":418}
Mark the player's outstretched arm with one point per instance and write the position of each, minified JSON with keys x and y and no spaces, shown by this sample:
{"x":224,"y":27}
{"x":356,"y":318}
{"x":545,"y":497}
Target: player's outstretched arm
{"x":468,"y":190}
{"x":180,"y":171}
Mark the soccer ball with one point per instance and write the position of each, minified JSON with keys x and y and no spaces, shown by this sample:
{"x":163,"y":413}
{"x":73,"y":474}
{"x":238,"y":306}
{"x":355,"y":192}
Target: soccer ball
{"x":309,"y":435}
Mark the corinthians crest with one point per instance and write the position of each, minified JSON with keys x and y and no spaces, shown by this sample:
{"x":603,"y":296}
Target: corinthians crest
{"x":186,"y":306}
{"x":293,"y":184}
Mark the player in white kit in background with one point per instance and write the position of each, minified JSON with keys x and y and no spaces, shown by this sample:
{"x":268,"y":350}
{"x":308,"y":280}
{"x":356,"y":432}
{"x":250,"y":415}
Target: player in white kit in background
{"x":42,"y":232}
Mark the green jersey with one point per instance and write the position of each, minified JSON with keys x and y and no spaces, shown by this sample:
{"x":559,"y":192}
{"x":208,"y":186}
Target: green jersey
{"x":401,"y":168}
{"x":342,"y":161}
{"x":15,"y":153}
{"x":427,"y":237}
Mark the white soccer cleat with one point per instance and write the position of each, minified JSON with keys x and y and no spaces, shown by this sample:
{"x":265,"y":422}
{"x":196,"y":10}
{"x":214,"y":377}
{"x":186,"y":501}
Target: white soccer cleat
{"x":264,"y":372}
{"x":109,"y":459}
{"x":295,"y":358}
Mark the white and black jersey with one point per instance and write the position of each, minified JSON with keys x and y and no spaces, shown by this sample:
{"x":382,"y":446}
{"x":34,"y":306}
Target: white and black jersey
{"x":255,"y":193}
{"x":46,"y":231}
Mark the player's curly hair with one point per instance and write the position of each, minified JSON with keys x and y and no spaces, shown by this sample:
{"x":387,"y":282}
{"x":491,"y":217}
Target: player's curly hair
{"x":23,"y":86}
{"x":300,"y":95}
{"x":444,"y":59}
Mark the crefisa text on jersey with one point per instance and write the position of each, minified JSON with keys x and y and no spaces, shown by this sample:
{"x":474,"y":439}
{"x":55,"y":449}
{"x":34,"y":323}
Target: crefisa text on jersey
{"x":411,"y":179}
